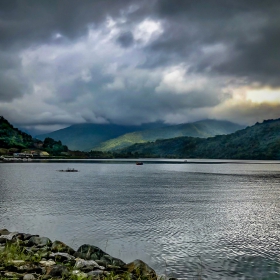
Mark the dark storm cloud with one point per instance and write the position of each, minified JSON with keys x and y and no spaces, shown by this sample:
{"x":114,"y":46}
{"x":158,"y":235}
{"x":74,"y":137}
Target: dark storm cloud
{"x":32,"y":21}
{"x":125,"y":39}
{"x":249,"y":30}
{"x":99,"y":60}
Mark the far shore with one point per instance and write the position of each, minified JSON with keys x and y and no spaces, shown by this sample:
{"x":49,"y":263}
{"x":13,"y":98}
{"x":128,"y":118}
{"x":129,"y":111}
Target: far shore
{"x":137,"y":160}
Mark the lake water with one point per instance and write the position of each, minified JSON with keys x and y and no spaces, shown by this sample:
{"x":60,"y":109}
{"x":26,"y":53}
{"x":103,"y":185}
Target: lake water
{"x":207,"y":221}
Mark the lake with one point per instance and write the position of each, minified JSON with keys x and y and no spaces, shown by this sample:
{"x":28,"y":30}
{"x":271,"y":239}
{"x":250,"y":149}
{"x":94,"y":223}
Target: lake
{"x":210,"y":220}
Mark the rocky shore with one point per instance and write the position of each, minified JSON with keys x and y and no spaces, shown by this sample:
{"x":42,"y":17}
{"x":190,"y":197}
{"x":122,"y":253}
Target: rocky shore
{"x":29,"y":257}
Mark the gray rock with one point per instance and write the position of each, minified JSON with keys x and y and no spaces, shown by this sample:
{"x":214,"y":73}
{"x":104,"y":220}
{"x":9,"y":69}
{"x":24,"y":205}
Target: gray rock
{"x":89,"y":264}
{"x":10,"y":236}
{"x":61,"y":256}
{"x":28,"y":277}
{"x":39,"y":241}
{"x":95,"y":273}
{"x":90,"y":252}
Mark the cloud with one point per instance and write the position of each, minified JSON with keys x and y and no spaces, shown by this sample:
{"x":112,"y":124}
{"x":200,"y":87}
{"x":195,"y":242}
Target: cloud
{"x":129,"y":62}
{"x":125,"y":39}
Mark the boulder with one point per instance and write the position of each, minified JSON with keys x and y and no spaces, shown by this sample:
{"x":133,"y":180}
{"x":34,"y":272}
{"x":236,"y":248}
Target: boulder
{"x":90,"y":252}
{"x":61,"y":247}
{"x":4,"y":231}
{"x":139,"y":268}
{"x":8,"y":237}
{"x":39,"y":241}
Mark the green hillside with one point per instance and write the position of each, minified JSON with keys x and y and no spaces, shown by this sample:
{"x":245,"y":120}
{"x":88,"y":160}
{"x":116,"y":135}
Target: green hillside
{"x":14,"y":140}
{"x":85,"y":136}
{"x":11,"y":137}
{"x":202,"y":129}
{"x":261,"y":141}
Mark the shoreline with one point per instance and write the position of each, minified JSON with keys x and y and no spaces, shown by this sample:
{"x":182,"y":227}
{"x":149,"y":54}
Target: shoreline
{"x":29,"y":257}
{"x":144,"y":161}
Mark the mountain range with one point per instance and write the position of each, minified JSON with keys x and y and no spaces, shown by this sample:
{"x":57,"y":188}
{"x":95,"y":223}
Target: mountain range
{"x":260,"y":141}
{"x":111,"y":137}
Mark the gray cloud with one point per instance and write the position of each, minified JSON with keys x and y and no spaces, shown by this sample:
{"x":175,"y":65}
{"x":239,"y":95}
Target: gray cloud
{"x":125,"y":39}
{"x":129,"y":61}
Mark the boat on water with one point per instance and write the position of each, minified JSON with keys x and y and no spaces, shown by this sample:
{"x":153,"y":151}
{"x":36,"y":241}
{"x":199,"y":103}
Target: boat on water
{"x":139,"y":163}
{"x":68,"y":170}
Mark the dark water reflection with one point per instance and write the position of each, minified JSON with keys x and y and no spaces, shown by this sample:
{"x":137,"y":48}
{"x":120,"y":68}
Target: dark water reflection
{"x":219,"y":221}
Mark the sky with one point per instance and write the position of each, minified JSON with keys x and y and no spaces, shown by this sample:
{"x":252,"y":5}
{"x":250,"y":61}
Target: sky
{"x":65,"y":62}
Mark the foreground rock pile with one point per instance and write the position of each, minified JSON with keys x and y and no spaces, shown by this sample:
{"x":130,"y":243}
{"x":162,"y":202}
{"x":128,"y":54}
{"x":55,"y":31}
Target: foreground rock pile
{"x":29,"y":257}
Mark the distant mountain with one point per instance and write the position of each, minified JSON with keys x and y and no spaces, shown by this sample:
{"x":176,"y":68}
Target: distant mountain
{"x":260,"y":141}
{"x":86,"y":136}
{"x":202,"y":129}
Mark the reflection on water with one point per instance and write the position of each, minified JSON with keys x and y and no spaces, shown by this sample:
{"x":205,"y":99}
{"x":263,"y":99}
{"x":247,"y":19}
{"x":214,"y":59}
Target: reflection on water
{"x":220,"y":221}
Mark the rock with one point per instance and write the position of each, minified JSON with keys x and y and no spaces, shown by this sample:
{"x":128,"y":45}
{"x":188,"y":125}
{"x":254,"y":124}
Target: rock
{"x":61,"y":247}
{"x":87,"y":264}
{"x":10,"y":236}
{"x":90,"y":252}
{"x":17,"y":262}
{"x":28,"y":277}
{"x":30,"y":267}
{"x":24,"y":236}
{"x":47,"y":263}
{"x":79,"y":274}
{"x":39,"y":241}
{"x":13,"y":275}
{"x":96,"y":273}
{"x":61,"y":256}
{"x":109,"y":260}
{"x":4,"y":231}
{"x":57,"y":270}
{"x":140,"y":268}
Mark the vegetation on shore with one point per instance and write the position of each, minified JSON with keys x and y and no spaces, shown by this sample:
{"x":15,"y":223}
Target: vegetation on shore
{"x":29,"y":257}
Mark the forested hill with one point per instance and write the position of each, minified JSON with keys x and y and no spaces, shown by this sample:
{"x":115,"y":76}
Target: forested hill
{"x":260,"y":141}
{"x":14,"y":140}
{"x":202,"y":129}
{"x":11,"y":137}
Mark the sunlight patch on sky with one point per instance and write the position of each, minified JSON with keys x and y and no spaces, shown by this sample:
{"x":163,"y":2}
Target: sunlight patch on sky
{"x":264,"y":95}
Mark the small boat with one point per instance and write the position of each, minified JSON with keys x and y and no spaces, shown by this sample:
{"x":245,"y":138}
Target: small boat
{"x":139,"y":163}
{"x":68,"y":170}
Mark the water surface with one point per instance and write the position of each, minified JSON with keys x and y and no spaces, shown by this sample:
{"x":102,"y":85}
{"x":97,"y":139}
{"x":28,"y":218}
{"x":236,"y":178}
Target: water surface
{"x":218,"y":221}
